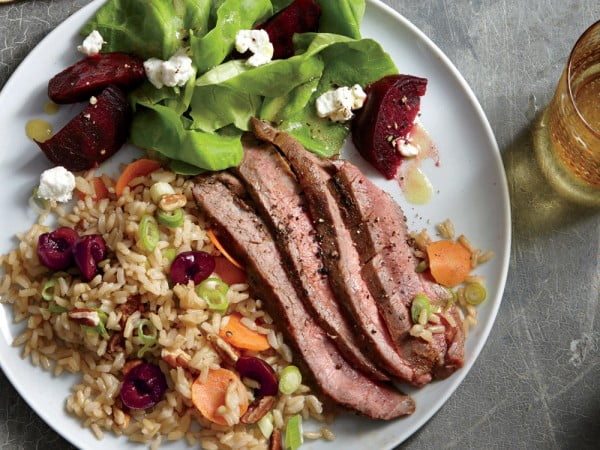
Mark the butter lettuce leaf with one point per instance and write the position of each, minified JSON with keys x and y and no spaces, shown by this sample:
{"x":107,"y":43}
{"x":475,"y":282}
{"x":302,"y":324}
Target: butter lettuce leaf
{"x":278,"y":5}
{"x":346,"y":63}
{"x":216,"y":106}
{"x":149,"y":28}
{"x":233,"y":92}
{"x":341,"y":17}
{"x":175,"y":98}
{"x":160,"y":128}
{"x":231,"y":16}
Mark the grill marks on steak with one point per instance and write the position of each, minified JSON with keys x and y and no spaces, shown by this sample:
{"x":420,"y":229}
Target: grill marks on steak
{"x":339,"y":254}
{"x":389,"y":267}
{"x":278,"y":197}
{"x":268,"y":280}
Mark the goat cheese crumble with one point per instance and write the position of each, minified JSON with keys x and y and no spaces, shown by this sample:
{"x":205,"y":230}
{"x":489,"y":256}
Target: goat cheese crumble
{"x":176,"y":71}
{"x":257,"y":42}
{"x":337,"y":104}
{"x":92,"y":44}
{"x":406,"y":148}
{"x":56,"y":184}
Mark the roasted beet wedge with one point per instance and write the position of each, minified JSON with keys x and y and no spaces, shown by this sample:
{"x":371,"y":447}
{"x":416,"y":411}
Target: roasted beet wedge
{"x":92,"y":74}
{"x":388,"y":114}
{"x":301,"y":16}
{"x":92,"y":136}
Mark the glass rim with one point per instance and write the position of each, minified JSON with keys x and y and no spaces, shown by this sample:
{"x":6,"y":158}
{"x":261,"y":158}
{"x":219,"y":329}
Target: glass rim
{"x":585,"y":34}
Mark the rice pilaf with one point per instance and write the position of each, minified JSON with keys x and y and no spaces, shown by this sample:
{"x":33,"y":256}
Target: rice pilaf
{"x":188,"y":344}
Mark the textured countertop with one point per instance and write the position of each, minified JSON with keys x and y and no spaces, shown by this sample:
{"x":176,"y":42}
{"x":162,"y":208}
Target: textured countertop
{"x":536,"y":383}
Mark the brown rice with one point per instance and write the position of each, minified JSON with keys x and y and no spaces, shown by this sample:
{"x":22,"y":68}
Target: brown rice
{"x":187,"y":329}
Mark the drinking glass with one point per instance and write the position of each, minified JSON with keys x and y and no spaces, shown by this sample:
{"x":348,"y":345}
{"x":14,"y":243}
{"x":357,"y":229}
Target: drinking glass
{"x":567,"y":137}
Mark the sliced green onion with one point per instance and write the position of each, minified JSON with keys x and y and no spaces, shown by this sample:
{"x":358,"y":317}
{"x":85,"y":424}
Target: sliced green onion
{"x":293,"y":432}
{"x":420,"y":302}
{"x":169,"y":254}
{"x":143,"y":350}
{"x":148,"y":233}
{"x":57,"y":309}
{"x":451,"y":300}
{"x":452,"y":296}
{"x":475,"y":293}
{"x":289,"y":380}
{"x":265,"y":425}
{"x":101,"y":327}
{"x":147,"y":339}
{"x":159,"y":189}
{"x":171,"y":219}
{"x":103,"y":316}
{"x":39,"y":201}
{"x":48,"y":289}
{"x":214,"y":292}
{"x":421,"y":267}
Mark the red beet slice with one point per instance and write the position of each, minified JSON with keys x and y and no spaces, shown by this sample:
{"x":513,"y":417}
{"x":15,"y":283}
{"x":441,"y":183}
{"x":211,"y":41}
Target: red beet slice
{"x":92,"y":74}
{"x":195,"y":266}
{"x":301,"y":16}
{"x":55,"y":249}
{"x":261,"y":371}
{"x":88,"y":251}
{"x":143,"y":387}
{"x":389,"y":113}
{"x":92,"y":136}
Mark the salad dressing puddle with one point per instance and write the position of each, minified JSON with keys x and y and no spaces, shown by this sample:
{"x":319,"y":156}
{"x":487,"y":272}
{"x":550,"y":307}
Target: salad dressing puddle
{"x":415,"y":185}
{"x":51,"y":108}
{"x":38,"y":129}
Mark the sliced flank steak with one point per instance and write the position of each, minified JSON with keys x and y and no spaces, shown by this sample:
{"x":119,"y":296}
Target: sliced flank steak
{"x":339,"y":254}
{"x":250,"y":240}
{"x":278,"y":198}
{"x":389,"y":266}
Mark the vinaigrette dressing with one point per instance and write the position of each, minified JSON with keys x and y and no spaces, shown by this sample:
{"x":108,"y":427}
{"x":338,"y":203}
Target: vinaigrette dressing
{"x":38,"y":129}
{"x":417,"y":188}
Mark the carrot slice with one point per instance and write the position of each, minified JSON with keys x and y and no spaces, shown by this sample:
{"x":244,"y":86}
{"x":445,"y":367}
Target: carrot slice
{"x":229,"y":273}
{"x":100,"y":190}
{"x":240,"y":336}
{"x":207,"y":396}
{"x":135,"y":169}
{"x":449,"y":262}
{"x":225,"y":253}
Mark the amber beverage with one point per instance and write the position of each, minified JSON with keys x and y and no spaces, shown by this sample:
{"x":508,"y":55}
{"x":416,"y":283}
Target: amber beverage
{"x":567,"y":139}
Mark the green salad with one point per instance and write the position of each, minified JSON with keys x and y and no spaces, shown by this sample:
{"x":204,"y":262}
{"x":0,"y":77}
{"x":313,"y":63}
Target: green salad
{"x":199,"y":126}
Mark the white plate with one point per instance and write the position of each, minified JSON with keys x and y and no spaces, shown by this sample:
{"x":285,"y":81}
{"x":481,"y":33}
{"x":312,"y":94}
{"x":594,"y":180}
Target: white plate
{"x":470,"y":189}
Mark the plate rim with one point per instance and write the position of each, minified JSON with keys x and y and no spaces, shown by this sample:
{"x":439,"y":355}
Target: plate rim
{"x":458,"y":377}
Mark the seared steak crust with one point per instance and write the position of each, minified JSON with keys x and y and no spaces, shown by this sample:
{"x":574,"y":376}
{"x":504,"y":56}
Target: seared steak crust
{"x":375,"y":225}
{"x":279,"y":199}
{"x":339,"y":254}
{"x":389,"y":267}
{"x":253,"y":244}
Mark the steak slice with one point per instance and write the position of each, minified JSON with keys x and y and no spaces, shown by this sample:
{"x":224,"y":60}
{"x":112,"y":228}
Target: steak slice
{"x":268,"y":280}
{"x":279,"y":199}
{"x":339,"y":254}
{"x":389,"y":266}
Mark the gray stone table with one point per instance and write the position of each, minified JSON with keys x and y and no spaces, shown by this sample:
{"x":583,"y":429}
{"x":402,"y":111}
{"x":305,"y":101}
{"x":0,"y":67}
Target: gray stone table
{"x":537,"y":381}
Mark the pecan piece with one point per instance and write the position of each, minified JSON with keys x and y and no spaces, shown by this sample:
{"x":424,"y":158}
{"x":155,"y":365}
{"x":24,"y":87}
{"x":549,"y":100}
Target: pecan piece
{"x":130,"y":365}
{"x":178,"y":359}
{"x":116,"y":343}
{"x":275,"y":441}
{"x":225,"y":351}
{"x":133,"y":304}
{"x":171,"y":202}
{"x":84,"y":316}
{"x":257,"y":409}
